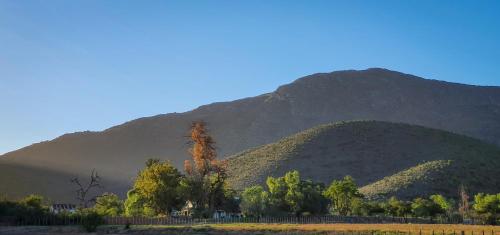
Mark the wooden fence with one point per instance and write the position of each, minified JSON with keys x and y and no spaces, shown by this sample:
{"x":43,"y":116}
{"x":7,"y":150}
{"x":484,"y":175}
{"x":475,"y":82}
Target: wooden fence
{"x":76,"y":220}
{"x":283,"y":220}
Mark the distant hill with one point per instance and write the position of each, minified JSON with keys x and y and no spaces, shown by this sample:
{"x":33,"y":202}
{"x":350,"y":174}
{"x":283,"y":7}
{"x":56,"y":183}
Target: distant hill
{"x":373,"y":94}
{"x":398,"y":159}
{"x":422,"y":179}
{"x":442,"y":176}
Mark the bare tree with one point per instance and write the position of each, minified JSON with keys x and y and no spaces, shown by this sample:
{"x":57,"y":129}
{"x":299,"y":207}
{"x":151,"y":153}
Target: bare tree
{"x":83,"y":190}
{"x":463,"y":205}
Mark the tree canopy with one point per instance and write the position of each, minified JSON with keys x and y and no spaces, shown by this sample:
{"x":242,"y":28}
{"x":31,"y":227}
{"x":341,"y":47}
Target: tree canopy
{"x":109,"y":204}
{"x":290,"y":194}
{"x":254,"y":201}
{"x":158,"y":184}
{"x":341,"y":194}
{"x":487,"y":206}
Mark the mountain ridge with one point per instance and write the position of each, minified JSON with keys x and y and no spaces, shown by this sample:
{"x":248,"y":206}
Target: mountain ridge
{"x":374,"y":94}
{"x":225,"y":102}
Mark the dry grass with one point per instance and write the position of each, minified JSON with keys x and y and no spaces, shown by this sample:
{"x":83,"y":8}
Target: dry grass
{"x":424,"y":229}
{"x":262,"y":229}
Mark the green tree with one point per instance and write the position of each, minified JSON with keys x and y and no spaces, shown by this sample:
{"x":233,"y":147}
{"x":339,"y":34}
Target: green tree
{"x":135,"y":205}
{"x":487,"y":206}
{"x":277,"y":191}
{"x":425,"y":208}
{"x":254,"y":201}
{"x":375,"y":208}
{"x":294,"y":196}
{"x":360,"y":207}
{"x":109,"y":204}
{"x":159,"y":185}
{"x":32,"y":205}
{"x":152,"y":161}
{"x":445,"y":205}
{"x":341,"y":194}
{"x":395,"y":207}
{"x":32,"y":201}
{"x":230,"y":201}
{"x":313,"y":201}
{"x":192,"y":189}
{"x":290,"y":194}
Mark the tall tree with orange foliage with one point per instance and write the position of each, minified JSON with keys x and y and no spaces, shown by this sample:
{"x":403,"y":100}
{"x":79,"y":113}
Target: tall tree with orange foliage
{"x":203,"y":151}
{"x":206,"y":174}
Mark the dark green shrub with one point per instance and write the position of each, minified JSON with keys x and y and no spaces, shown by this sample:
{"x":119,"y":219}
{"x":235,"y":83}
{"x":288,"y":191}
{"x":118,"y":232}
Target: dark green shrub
{"x":91,"y":220}
{"x":29,"y":207}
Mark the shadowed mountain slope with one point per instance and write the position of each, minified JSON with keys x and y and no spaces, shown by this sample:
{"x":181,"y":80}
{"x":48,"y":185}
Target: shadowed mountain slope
{"x":374,"y":94}
{"x":439,"y":161}
{"x":18,"y":181}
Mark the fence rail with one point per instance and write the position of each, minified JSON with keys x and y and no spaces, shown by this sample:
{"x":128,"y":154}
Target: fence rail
{"x":330,"y":219}
{"x":287,"y":219}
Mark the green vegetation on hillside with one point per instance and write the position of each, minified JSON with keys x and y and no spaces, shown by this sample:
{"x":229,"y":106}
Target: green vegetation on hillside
{"x":408,"y":160}
{"x":404,"y":179}
{"x":246,"y":167}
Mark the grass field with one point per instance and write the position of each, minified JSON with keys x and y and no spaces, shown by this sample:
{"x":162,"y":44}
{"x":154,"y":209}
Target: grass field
{"x":252,"y":229}
{"x":424,"y":229}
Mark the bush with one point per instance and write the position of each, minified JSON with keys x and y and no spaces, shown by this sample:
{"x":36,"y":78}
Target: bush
{"x":31,"y":206}
{"x":91,"y":220}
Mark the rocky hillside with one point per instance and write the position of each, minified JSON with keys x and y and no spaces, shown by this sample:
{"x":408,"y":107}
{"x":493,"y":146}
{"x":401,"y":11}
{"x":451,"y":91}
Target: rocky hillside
{"x":392,"y":159}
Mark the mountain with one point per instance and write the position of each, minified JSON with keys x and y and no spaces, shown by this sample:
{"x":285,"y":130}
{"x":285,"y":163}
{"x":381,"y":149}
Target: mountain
{"x":390,"y":158}
{"x":373,"y":94}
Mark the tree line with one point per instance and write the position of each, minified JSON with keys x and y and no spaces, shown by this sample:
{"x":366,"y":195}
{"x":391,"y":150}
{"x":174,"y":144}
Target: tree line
{"x":289,"y":195}
{"x":160,"y":188}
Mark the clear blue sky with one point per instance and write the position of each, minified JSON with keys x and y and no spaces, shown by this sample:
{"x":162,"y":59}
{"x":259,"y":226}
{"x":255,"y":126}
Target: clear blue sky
{"x":69,"y":66}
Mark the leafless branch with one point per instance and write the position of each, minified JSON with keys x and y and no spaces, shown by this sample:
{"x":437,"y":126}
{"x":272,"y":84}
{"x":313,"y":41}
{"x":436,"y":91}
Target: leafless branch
{"x":82,"y":191}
